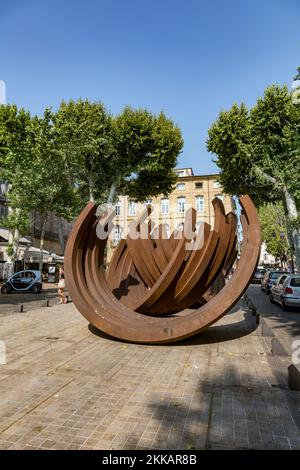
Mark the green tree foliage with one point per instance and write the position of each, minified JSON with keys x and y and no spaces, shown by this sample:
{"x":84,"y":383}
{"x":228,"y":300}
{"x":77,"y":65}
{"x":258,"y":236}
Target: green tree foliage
{"x":33,"y":165}
{"x":258,"y":152}
{"x":146,"y":150}
{"x":274,"y":231}
{"x":136,"y":151}
{"x":14,"y":157}
{"x":84,"y":132}
{"x":18,"y":222}
{"x":57,"y":162}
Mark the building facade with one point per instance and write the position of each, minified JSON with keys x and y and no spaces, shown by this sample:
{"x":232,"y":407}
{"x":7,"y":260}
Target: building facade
{"x":28,"y":256}
{"x":197,"y":191}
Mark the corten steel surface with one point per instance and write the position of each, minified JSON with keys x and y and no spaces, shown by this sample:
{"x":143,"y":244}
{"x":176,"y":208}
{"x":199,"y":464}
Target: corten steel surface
{"x":159,"y":290}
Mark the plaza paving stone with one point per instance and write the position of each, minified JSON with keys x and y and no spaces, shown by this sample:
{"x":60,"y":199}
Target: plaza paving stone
{"x":64,"y":386}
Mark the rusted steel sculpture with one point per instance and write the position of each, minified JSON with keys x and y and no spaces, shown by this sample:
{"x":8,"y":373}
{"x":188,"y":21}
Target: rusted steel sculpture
{"x":158,"y":289}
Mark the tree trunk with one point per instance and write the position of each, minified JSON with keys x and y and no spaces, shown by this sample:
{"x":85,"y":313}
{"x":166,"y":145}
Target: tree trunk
{"x":16,"y":240}
{"x":112,"y":193}
{"x":293,"y":233}
{"x":13,"y":240}
{"x":44,"y":222}
{"x":91,"y":189}
{"x":61,"y":236}
{"x":10,"y":236}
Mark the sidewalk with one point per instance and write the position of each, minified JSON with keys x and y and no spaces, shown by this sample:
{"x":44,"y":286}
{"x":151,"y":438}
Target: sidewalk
{"x":64,"y":387}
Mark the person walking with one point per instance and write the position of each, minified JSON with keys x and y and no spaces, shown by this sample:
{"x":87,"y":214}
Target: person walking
{"x":61,"y":286}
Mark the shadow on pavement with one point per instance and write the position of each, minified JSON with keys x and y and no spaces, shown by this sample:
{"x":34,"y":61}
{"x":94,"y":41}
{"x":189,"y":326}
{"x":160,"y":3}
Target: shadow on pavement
{"x":213,"y":334}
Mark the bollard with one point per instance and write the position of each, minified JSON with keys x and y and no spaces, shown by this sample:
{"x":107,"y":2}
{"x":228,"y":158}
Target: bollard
{"x":277,"y":348}
{"x":266,"y":330}
{"x":21,"y":308}
{"x":48,"y":303}
{"x":294,"y":377}
{"x":257,"y":318}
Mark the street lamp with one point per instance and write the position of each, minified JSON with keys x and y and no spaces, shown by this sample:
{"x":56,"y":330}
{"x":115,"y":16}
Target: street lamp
{"x":4,"y":188}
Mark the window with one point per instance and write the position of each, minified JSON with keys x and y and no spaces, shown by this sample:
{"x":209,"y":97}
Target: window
{"x":118,"y":208}
{"x":180,"y":186}
{"x":132,"y":208}
{"x":164,"y":205}
{"x":281,"y":280}
{"x":200,"y":204}
{"x":181,"y":204}
{"x":295,"y":282}
{"x":117,"y":234}
{"x":198,"y":185}
{"x":216,"y":184}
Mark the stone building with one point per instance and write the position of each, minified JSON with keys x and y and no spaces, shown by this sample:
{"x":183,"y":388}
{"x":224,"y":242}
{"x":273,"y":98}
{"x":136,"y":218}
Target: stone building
{"x":197,"y":191}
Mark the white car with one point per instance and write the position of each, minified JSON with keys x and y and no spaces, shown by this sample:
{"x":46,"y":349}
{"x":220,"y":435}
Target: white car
{"x":286,"y":291}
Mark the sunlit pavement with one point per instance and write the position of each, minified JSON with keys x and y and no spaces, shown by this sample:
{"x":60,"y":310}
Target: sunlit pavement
{"x":66,"y":387}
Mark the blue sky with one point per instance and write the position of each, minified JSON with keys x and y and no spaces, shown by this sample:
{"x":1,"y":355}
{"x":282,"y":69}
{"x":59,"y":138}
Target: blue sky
{"x":189,"y":58}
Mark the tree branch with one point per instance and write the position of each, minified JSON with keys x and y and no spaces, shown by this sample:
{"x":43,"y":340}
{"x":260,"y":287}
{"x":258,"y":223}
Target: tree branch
{"x":267,"y":177}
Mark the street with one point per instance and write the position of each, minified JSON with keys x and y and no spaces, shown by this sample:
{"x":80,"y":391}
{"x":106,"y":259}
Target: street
{"x":263,"y":303}
{"x":286,"y":325}
{"x":11,"y":303}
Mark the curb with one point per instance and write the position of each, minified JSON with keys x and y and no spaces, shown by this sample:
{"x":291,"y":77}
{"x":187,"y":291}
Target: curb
{"x":277,"y":349}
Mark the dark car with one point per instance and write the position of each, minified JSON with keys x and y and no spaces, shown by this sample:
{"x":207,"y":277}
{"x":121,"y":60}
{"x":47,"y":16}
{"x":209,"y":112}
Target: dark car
{"x":258,"y":276}
{"x":23,"y":281}
{"x":269,"y":279}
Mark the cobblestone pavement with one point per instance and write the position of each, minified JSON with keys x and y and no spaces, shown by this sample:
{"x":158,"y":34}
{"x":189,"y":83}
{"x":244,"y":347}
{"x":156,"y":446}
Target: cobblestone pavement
{"x":66,"y":387}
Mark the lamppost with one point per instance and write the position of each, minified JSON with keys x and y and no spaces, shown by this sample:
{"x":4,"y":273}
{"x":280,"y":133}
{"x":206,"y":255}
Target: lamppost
{"x":4,"y":188}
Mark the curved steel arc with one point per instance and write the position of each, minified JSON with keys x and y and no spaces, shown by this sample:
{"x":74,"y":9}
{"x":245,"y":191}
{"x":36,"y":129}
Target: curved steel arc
{"x":89,"y":289}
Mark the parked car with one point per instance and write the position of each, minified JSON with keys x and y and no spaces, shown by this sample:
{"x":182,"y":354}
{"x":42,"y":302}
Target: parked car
{"x":258,"y":276}
{"x":269,"y":278}
{"x":23,"y":281}
{"x":286,"y":291}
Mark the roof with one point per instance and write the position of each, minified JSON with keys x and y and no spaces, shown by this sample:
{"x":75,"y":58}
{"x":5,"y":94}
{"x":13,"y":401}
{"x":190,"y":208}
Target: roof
{"x":4,"y":236}
{"x":193,"y":176}
{"x":199,"y":177}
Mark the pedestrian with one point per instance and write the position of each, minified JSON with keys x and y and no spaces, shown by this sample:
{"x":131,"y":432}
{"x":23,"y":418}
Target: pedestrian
{"x":61,"y":286}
